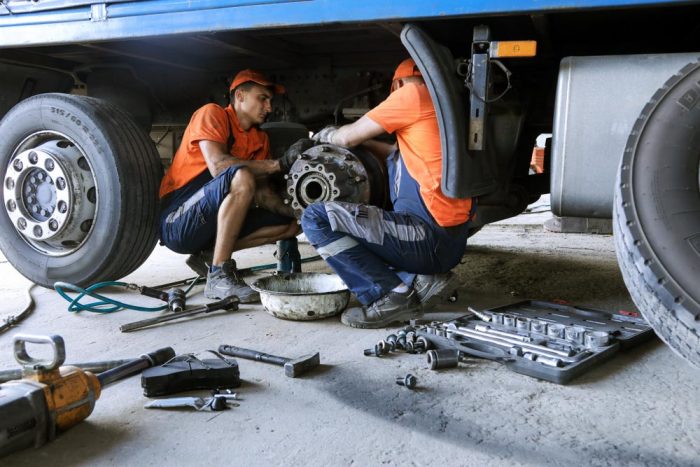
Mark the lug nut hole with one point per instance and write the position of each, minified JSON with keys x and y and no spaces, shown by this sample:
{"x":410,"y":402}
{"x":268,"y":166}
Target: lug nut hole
{"x":83,"y":164}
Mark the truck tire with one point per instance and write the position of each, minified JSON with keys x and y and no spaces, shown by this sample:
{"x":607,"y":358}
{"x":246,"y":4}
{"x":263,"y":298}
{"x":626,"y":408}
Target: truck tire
{"x":656,"y":215}
{"x":80,"y":190}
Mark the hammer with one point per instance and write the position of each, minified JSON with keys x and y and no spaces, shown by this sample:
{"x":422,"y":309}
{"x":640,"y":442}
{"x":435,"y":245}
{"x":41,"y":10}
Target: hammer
{"x":293,"y":367}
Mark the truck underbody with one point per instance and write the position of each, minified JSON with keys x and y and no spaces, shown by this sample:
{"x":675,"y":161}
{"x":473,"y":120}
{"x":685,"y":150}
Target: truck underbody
{"x":336,"y":65}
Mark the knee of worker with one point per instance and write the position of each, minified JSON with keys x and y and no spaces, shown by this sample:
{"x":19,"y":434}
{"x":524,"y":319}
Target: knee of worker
{"x":314,"y":223}
{"x":242,"y":183}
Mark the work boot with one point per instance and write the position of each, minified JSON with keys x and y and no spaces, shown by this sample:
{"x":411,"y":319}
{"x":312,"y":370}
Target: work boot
{"x":392,"y":307}
{"x":200,"y":262}
{"x":224,"y":282}
{"x":434,"y":287}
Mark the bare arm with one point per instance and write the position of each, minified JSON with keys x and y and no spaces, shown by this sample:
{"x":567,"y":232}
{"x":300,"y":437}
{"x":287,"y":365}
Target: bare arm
{"x":356,"y":133}
{"x":218,"y":160}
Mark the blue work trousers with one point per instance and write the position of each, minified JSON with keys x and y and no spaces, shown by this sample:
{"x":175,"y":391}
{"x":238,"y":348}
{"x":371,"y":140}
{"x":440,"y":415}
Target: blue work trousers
{"x":374,"y":250}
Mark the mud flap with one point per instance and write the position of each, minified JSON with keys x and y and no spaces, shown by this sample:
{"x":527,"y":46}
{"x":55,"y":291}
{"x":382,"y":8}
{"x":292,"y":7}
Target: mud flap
{"x":465,"y":174}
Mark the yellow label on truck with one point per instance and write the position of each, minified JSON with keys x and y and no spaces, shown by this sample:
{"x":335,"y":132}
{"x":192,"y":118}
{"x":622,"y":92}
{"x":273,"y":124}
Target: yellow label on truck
{"x":513,"y":49}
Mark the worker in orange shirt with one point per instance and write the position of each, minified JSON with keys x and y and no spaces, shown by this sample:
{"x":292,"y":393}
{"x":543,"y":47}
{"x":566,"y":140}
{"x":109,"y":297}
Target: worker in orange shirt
{"x":215,"y":193}
{"x":394,"y":261}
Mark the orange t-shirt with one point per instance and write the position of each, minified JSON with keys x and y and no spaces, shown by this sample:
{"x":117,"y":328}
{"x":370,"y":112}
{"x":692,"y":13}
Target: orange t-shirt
{"x":409,"y":112}
{"x":212,"y":123}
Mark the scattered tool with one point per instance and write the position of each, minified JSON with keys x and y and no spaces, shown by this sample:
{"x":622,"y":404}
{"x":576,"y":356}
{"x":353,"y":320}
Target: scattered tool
{"x":215,"y":403}
{"x":293,"y":367}
{"x":408,"y":381}
{"x":229,"y":303}
{"x":378,"y":350}
{"x":51,"y":397}
{"x":442,"y":358}
{"x":187,"y":372}
{"x":174,"y":297}
{"x":405,"y":340}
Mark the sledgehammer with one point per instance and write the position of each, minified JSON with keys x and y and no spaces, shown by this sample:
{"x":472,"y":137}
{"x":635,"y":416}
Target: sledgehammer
{"x":293,"y":367}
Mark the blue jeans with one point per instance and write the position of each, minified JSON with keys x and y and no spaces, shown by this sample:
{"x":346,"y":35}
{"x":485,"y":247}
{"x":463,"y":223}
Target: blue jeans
{"x":188,"y":217}
{"x":374,"y":250}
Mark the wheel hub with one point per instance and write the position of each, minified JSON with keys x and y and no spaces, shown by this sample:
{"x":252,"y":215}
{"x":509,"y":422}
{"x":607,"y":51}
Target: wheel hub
{"x":327,"y":173}
{"x":50,"y":195}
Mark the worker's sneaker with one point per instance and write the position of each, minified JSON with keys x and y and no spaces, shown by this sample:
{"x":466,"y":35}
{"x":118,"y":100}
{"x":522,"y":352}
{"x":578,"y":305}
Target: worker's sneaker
{"x":224,"y":281}
{"x":391,"y":308}
{"x":434,"y":287}
{"x":200,"y":262}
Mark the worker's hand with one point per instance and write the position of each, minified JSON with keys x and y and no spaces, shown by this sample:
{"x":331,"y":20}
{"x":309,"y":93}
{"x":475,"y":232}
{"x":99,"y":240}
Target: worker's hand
{"x":325,"y":135}
{"x":292,"y":154}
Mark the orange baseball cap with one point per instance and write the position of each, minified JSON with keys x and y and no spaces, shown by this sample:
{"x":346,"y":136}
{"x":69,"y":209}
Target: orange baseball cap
{"x":405,"y":69}
{"x":256,"y":77}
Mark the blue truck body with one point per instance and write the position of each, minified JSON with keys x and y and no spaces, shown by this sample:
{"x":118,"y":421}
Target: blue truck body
{"x":58,"y":21}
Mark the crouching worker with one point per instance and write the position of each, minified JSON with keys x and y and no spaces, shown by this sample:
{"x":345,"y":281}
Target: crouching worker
{"x":394,"y":261}
{"x":215,"y":195}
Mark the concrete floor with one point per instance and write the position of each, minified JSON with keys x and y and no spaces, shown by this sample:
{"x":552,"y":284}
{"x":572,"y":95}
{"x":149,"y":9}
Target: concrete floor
{"x":638,"y":409}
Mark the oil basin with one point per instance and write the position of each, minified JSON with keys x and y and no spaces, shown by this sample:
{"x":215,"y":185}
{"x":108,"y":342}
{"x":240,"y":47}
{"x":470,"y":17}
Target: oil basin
{"x":302,"y":296}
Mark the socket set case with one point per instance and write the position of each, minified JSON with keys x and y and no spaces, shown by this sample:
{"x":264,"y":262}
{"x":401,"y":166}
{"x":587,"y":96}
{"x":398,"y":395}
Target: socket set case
{"x":544,"y":340}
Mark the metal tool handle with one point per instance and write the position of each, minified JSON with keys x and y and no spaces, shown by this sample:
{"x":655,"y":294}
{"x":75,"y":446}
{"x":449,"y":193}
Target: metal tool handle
{"x":23,"y":358}
{"x":230,"y":303}
{"x":158,"y":357}
{"x":252,"y":355}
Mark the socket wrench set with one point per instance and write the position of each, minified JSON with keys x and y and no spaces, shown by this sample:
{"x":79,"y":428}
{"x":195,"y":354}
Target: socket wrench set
{"x":544,"y":340}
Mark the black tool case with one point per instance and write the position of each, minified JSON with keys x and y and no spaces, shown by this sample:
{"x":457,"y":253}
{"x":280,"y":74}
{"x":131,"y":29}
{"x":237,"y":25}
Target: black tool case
{"x":549,"y":341}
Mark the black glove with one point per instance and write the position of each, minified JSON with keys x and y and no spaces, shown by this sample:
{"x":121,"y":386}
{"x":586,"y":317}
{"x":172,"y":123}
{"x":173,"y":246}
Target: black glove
{"x":292,"y":154}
